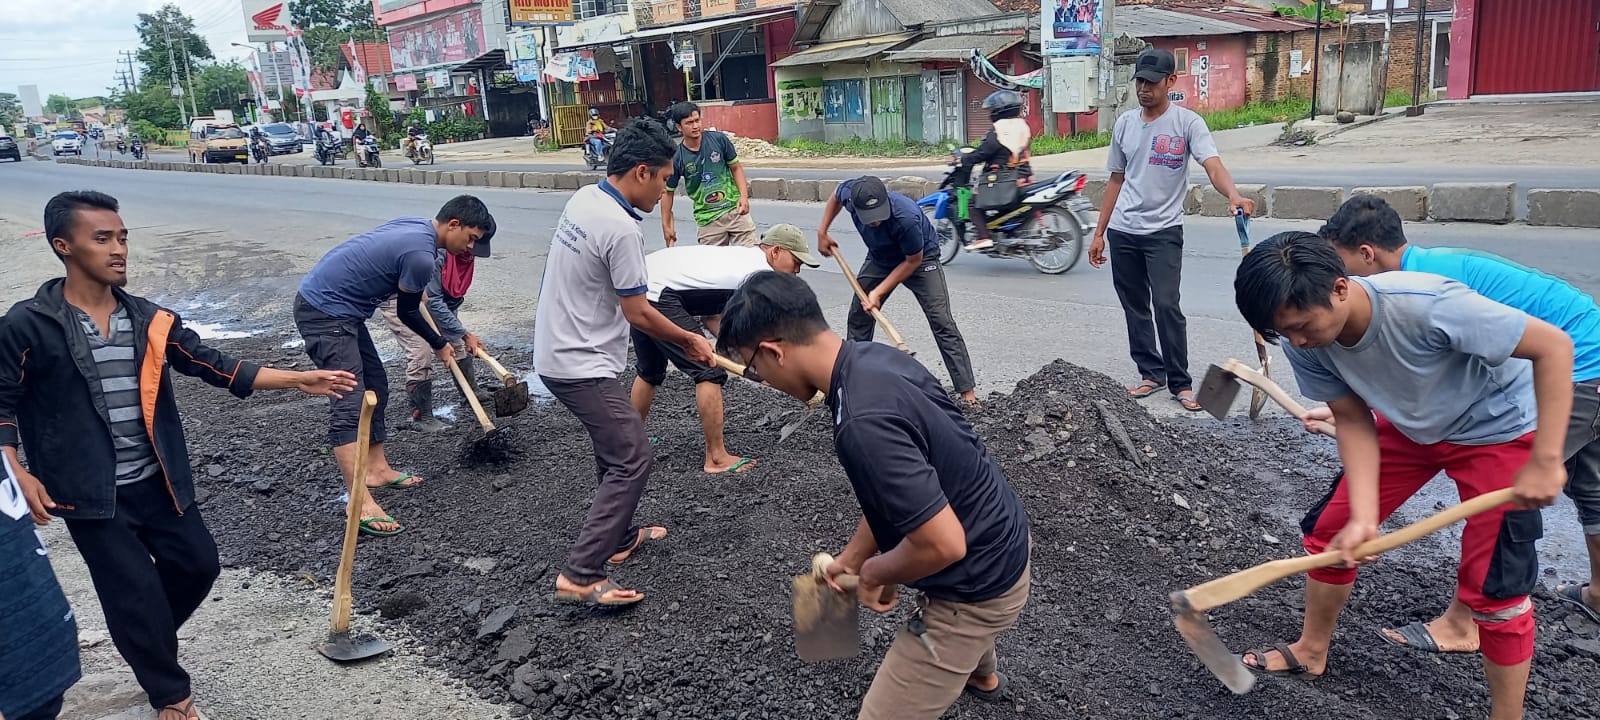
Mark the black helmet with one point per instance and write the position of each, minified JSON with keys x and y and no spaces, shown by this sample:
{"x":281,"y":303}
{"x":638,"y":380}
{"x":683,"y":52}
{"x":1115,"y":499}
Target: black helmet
{"x":1003,"y":104}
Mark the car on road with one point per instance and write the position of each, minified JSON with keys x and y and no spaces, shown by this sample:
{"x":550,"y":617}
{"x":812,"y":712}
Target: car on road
{"x":282,"y":139}
{"x":212,"y":140}
{"x":9,"y":148}
{"x":65,"y":142}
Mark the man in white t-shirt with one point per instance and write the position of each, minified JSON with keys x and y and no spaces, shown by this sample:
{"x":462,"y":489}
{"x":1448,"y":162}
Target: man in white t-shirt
{"x":694,"y":281}
{"x":1149,"y":164}
{"x":593,"y":290}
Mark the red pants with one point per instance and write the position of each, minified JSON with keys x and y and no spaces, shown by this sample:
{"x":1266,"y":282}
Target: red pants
{"x":1499,"y":565}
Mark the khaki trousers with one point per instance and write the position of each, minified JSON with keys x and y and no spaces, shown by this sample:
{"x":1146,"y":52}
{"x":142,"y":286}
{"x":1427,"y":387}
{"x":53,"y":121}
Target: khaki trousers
{"x":730,"y":229}
{"x":911,"y":685}
{"x":419,"y":357}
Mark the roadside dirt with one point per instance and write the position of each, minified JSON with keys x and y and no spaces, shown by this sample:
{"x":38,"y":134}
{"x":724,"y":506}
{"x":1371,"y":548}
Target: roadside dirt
{"x":1539,"y":134}
{"x":472,"y":577}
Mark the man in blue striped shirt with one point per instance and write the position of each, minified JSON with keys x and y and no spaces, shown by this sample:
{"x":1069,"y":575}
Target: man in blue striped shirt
{"x":1368,"y":235}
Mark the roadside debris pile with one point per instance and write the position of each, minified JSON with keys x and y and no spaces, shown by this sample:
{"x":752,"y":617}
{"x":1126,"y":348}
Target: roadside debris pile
{"x":1125,"y":509}
{"x":758,"y":148}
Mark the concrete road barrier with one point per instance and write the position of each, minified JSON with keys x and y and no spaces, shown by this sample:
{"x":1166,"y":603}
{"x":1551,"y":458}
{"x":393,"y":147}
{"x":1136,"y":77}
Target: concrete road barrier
{"x":539,"y":180}
{"x":1564,"y":208}
{"x":1305,"y":203}
{"x":1213,"y":204}
{"x":496,"y":178}
{"x":1473,"y":202}
{"x":801,"y":191}
{"x":429,"y":177}
{"x":767,"y":189}
{"x":567,"y":180}
{"x":826,"y":189}
{"x":910,"y":186}
{"x":590,"y":178}
{"x":475,"y":178}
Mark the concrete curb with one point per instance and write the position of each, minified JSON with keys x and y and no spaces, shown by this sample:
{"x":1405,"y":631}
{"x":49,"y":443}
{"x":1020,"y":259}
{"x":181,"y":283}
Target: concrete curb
{"x":1443,"y":202}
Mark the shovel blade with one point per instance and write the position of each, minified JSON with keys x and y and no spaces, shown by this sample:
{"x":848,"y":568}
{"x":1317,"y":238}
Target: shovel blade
{"x":826,"y":623}
{"x":793,"y":425}
{"x":344,"y":647}
{"x":511,"y":399}
{"x":1217,"y":392}
{"x":1202,"y":639}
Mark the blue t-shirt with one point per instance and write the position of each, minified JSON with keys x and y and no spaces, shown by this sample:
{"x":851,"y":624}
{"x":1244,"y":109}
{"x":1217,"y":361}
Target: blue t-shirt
{"x":906,"y":232}
{"x":1543,"y":296}
{"x":39,"y":635}
{"x":1435,"y":361}
{"x":356,"y":276}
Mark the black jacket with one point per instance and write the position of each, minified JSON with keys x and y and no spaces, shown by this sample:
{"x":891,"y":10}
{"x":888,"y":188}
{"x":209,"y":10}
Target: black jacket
{"x":993,"y":155}
{"x":46,"y":404}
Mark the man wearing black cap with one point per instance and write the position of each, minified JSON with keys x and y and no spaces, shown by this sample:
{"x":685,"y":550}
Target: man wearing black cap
{"x":1149,"y":164}
{"x":395,"y":259}
{"x":902,"y":249}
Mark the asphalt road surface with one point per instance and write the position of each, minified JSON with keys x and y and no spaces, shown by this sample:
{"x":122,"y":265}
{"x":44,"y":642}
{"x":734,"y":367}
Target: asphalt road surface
{"x":230,"y":250}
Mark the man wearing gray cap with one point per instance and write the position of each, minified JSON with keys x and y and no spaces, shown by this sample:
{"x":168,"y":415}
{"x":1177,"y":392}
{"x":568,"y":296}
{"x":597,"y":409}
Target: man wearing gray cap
{"x":1149,"y":165}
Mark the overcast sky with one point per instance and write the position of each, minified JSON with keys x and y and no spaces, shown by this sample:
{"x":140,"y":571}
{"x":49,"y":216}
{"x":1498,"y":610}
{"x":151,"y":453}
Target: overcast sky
{"x":70,"y":47}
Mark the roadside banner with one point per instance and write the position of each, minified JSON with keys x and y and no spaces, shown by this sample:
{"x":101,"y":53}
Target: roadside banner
{"x":541,"y":12}
{"x":449,"y":39}
{"x":1071,"y":27}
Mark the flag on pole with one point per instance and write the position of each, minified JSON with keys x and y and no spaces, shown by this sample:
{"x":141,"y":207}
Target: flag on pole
{"x":355,"y":64}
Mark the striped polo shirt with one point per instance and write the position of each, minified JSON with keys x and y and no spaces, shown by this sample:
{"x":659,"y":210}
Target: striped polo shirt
{"x":119,"y":386}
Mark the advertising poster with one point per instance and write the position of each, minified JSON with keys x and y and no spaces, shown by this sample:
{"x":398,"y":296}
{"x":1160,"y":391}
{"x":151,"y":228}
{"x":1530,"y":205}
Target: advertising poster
{"x":405,"y":83}
{"x":524,"y":45}
{"x":446,"y":40}
{"x":541,"y":12}
{"x":800,"y":99}
{"x":266,"y":20}
{"x":1071,"y":27}
{"x":572,"y":67}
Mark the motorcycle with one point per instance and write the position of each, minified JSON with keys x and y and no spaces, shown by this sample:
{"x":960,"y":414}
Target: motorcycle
{"x":122,"y":147}
{"x":367,"y":154}
{"x":597,"y":161}
{"x":1046,"y":226}
{"x":421,"y":150}
{"x":258,"y":150}
{"x":327,"y":151}
{"x":137,"y":148}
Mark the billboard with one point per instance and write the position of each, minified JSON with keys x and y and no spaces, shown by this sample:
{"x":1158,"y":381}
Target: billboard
{"x":1071,"y":27}
{"x":540,"y":12}
{"x":389,"y":12}
{"x":446,"y":40}
{"x":266,"y":20}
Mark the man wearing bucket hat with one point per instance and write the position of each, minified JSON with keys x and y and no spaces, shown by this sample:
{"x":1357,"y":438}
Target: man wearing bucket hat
{"x":693,"y":281}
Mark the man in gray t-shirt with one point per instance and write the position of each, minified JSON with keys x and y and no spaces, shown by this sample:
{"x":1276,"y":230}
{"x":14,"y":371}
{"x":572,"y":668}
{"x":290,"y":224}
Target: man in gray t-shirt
{"x":1423,"y":376}
{"x":1149,"y":164}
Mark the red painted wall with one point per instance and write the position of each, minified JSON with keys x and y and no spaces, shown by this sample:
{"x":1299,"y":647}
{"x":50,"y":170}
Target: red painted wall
{"x":753,"y":120}
{"x":779,"y":37}
{"x":1505,"y":46}
{"x":1226,"y":73}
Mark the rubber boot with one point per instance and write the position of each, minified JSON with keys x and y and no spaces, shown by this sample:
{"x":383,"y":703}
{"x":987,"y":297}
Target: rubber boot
{"x":421,"y":394}
{"x":469,"y":370}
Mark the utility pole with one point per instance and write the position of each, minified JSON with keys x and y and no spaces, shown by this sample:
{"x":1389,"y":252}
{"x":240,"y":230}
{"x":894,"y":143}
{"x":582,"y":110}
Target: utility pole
{"x":193,"y":109}
{"x":1388,"y":42}
{"x":1106,"y":111}
{"x":172,"y":68}
{"x":1316,"y":62}
{"x":1416,"y":64}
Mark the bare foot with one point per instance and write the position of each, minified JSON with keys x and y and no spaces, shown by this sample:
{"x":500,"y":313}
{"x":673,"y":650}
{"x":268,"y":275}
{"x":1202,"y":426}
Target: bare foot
{"x":184,"y":710}
{"x":604,"y":592}
{"x":370,"y":510}
{"x":1270,"y":660}
{"x":728,"y":462}
{"x":1447,"y":636}
{"x":386,"y":477}
{"x":986,"y":683}
{"x":641,"y":536}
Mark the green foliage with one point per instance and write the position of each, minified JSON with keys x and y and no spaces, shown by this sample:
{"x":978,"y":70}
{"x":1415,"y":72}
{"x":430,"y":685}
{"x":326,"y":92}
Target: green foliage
{"x":1258,"y":114}
{"x":1309,"y":12}
{"x":154,"y":105}
{"x":62,"y":105}
{"x":151,"y":133}
{"x":1399,"y":98}
{"x":346,"y":15}
{"x":1051,"y":144}
{"x":857,"y":147}
{"x":10,"y":110}
{"x":155,"y":29}
{"x":221,"y":86}
{"x":382,"y":117}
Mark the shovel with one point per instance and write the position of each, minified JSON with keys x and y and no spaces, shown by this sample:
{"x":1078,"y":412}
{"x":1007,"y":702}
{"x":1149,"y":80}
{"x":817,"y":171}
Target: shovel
{"x":1241,"y":222}
{"x":1219,"y":388}
{"x":341,"y":646}
{"x":467,"y":388}
{"x":1191,"y":605}
{"x":861,"y":295}
{"x":512,"y":397}
{"x":826,"y":622}
{"x":748,"y":374}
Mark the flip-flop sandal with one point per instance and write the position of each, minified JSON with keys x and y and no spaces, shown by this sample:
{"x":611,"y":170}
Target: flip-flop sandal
{"x":367,"y":526}
{"x":734,"y":468}
{"x":184,"y":710}
{"x":1573,"y":594}
{"x":1294,"y":668}
{"x":996,"y":695}
{"x":1144,"y":389}
{"x":1418,"y":638}
{"x":595,"y":594}
{"x":1188,"y":403}
{"x":400,"y":483}
{"x":969,"y":405}
{"x":641,"y":535}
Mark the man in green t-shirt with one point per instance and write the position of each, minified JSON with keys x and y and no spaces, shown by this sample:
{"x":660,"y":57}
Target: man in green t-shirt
{"x":708,"y":166}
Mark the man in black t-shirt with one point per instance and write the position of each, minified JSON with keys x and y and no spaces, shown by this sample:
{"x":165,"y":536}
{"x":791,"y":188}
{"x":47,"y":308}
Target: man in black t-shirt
{"x":938,"y":515}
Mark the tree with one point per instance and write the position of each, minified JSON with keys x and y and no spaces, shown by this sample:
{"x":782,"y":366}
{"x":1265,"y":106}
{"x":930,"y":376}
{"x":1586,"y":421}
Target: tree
{"x":10,"y":110}
{"x":169,"y":27}
{"x":60,"y":105}
{"x":219,"y":87}
{"x":343,"y":15}
{"x":153,"y":105}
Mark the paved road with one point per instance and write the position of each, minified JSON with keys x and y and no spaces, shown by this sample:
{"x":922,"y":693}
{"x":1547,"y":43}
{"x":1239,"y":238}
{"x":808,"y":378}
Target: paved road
{"x":230,"y":250}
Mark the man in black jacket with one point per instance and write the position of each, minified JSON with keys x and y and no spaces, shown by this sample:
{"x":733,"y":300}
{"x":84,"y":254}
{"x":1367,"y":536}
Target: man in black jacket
{"x":84,"y":387}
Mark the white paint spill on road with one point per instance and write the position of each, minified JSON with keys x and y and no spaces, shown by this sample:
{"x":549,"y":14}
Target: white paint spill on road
{"x":215,"y":331}
{"x":445,"y":412}
{"x":295,"y":343}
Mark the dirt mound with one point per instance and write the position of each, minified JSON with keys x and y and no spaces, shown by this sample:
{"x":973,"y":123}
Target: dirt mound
{"x":758,"y":148}
{"x":1117,"y":526}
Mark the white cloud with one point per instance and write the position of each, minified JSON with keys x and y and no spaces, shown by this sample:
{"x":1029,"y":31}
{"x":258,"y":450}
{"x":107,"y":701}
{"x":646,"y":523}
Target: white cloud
{"x":71,"y":47}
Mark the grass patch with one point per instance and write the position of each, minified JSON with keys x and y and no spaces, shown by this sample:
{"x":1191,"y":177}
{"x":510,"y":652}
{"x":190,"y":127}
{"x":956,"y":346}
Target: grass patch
{"x":1051,"y":144}
{"x":1398,"y":98}
{"x":856,"y":147}
{"x":1257,"y":114}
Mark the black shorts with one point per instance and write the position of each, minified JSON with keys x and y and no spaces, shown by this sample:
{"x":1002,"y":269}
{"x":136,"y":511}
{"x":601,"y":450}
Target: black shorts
{"x":683,"y":308}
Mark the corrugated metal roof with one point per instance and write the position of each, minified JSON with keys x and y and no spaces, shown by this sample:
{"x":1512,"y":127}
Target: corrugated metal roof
{"x":1147,"y":21}
{"x":1251,"y":21}
{"x":954,"y":47}
{"x":919,"y":12}
{"x":843,"y":51}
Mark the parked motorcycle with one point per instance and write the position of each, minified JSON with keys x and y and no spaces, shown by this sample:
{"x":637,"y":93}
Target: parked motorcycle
{"x":137,"y":148}
{"x":327,"y":151}
{"x":421,"y":150}
{"x":367,"y":153}
{"x":1046,"y":226}
{"x":597,"y":161}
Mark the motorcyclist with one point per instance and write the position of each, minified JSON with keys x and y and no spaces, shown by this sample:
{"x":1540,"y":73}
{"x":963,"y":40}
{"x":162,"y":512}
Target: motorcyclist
{"x":327,"y":140}
{"x":259,"y":139}
{"x":1005,"y":145}
{"x":596,"y":130}
{"x":136,"y":146}
{"x":410,"y":142}
{"x":359,"y":138}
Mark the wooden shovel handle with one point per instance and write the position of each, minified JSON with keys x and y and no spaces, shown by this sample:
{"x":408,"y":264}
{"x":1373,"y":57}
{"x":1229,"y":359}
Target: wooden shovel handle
{"x":848,"y":582}
{"x":899,"y":342}
{"x":352,"y":523}
{"x":461,"y":379}
{"x":505,"y":375}
{"x":1225,"y":590}
{"x":1261,"y":382}
{"x":744,"y":372}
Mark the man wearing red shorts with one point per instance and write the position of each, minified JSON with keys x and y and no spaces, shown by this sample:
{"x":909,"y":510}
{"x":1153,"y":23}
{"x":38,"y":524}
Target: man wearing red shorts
{"x":1445,"y":371}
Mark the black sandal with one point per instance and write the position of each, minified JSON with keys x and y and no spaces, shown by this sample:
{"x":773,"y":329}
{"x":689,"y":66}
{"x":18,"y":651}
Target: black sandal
{"x":641,"y":535}
{"x":1573,"y":594}
{"x":1416,"y":637}
{"x":996,"y":695}
{"x":1294,"y":669}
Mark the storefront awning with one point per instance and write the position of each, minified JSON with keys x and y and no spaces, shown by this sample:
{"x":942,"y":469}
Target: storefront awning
{"x":846,"y":51}
{"x":657,"y":33}
{"x":954,"y":47}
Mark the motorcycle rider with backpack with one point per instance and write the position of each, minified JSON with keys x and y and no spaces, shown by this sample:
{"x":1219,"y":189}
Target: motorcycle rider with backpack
{"x":1005,"y":150}
{"x":597,"y":133}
